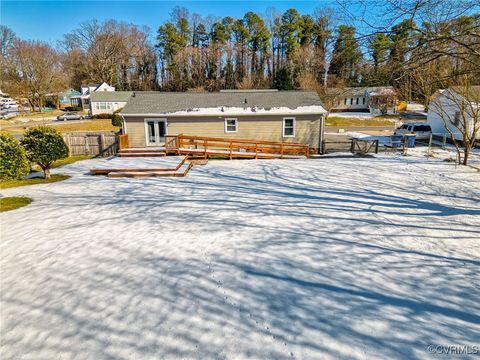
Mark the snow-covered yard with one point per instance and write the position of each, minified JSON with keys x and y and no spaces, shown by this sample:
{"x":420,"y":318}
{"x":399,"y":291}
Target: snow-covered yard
{"x":336,"y":258}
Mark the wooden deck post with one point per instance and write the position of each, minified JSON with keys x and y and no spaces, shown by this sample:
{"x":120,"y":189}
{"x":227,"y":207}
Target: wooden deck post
{"x":179,"y":143}
{"x":231,"y":149}
{"x":256,"y":150}
{"x":281,"y":150}
{"x":205,"y":142}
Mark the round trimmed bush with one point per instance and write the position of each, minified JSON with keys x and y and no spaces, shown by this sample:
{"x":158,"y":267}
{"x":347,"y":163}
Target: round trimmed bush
{"x":44,"y":145}
{"x":117,"y":120}
{"x":13,"y":159}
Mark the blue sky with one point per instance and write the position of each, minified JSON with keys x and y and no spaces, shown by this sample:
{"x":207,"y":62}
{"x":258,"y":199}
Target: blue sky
{"x":49,"y":20}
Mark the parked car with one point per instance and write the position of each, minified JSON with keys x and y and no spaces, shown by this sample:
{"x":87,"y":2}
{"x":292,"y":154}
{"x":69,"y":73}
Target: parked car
{"x":8,"y":104}
{"x":422,"y":131}
{"x":70,"y":116}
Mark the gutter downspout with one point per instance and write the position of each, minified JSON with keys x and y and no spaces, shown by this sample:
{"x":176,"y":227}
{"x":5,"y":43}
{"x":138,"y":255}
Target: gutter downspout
{"x":124,"y":124}
{"x":321,"y":135}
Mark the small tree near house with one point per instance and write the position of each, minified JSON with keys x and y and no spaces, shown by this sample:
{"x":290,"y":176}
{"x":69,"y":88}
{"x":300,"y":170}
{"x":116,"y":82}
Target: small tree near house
{"x":44,"y":145}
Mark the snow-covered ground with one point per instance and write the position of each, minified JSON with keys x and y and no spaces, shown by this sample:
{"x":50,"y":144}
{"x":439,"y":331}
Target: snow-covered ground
{"x":333,"y":258}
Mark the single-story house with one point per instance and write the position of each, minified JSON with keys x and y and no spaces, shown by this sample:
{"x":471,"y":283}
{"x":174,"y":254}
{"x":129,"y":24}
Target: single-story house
{"x":375,"y":100}
{"x":102,"y":102}
{"x":289,"y":116}
{"x":452,"y":108}
{"x":64,"y":98}
{"x":83,"y":99}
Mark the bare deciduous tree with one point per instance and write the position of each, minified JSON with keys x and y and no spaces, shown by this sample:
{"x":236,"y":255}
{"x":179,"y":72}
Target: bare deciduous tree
{"x":34,"y":69}
{"x":111,"y":51}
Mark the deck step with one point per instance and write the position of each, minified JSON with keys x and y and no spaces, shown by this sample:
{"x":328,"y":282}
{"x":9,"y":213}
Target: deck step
{"x":141,"y":154}
{"x":181,"y":172}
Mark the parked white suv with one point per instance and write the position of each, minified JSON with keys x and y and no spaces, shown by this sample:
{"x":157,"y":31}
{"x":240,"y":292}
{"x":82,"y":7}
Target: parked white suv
{"x":422,"y":131}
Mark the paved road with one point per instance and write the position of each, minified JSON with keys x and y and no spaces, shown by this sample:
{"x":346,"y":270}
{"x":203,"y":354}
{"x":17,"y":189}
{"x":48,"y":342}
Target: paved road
{"x":334,"y":129}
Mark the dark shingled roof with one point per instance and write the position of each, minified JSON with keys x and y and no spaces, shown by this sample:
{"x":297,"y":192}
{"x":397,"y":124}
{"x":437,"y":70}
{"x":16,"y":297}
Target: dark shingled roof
{"x":110,"y":95}
{"x":168,"y":102}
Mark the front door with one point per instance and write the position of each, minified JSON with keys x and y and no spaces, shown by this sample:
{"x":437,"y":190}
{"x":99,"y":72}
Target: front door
{"x":155,"y":132}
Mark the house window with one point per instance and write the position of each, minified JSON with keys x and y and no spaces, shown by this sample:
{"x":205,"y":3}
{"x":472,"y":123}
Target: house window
{"x":288,"y":127}
{"x":363,"y":101}
{"x":103,"y":105}
{"x":345,"y":101}
{"x":357,"y":100}
{"x":351,"y":101}
{"x":230,"y":125}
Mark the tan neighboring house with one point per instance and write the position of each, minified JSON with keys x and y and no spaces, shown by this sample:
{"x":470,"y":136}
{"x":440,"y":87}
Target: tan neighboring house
{"x":376,"y":100}
{"x":107,"y":102}
{"x":290,"y":116}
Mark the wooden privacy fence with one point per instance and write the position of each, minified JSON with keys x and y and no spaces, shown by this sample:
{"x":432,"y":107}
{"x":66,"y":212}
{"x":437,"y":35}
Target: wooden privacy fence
{"x":233,"y":148}
{"x":98,"y":143}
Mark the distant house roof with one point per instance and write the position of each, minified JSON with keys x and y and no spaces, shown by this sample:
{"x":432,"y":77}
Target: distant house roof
{"x":110,"y":96}
{"x":227,"y":102}
{"x":362,"y":91}
{"x":70,"y":92}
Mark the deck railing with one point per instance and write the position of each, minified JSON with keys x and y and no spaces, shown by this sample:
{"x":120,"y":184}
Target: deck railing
{"x":235,"y":147}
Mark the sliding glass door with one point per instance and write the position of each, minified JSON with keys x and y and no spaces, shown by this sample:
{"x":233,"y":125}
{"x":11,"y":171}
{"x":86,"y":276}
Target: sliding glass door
{"x":155,"y":131}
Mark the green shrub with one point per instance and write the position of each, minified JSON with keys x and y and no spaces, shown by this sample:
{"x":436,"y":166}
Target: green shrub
{"x":103,"y":116}
{"x":117,"y":120}
{"x":13,"y":159}
{"x":44,"y":145}
{"x":73,"y":108}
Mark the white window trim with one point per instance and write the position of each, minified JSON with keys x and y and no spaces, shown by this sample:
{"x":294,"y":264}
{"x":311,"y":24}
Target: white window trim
{"x":283,"y":126}
{"x":236,"y":125}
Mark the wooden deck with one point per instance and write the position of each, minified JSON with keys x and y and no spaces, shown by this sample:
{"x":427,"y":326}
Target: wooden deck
{"x":118,"y":168}
{"x":121,"y":167}
{"x":183,"y":171}
{"x":194,"y":150}
{"x":205,"y":147}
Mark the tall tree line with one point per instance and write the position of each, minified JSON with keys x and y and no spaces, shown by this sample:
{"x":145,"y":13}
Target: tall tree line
{"x":248,"y":52}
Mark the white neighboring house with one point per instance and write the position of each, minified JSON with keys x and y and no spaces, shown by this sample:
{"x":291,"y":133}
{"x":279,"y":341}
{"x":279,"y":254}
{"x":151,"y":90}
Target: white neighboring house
{"x":107,"y":102}
{"x":451,"y":107}
{"x":83,"y":100}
